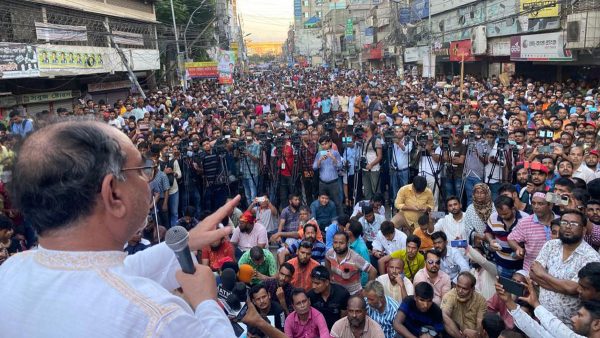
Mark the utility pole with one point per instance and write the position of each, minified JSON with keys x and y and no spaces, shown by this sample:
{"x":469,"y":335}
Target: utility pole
{"x":334,"y":44}
{"x":125,"y":62}
{"x":176,"y":43}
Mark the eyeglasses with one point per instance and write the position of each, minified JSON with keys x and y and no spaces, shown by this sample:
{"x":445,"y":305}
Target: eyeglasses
{"x":569,"y":224}
{"x":429,"y":330}
{"x":147,"y":170}
{"x":431,"y":261}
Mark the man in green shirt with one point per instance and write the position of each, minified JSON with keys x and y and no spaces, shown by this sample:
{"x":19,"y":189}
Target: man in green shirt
{"x":263,"y":262}
{"x":412,"y":258}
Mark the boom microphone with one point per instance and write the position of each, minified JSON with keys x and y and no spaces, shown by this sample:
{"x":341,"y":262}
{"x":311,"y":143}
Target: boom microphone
{"x":177,"y":238}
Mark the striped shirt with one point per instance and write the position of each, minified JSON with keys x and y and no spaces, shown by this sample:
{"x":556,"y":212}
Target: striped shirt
{"x":318,"y":250}
{"x":496,"y":227}
{"x":211,"y":167}
{"x":534,"y":234}
{"x":385,"y":319}
{"x":347,"y":271}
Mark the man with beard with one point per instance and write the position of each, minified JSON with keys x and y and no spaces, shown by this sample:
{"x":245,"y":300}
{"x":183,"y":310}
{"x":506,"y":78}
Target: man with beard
{"x":288,"y":221}
{"x":439,"y":280}
{"x":557,"y":264}
{"x":310,"y":235}
{"x":533,"y":231}
{"x":592,"y":211}
{"x":381,"y":308}
{"x":279,"y":288}
{"x":591,"y":160}
{"x":580,"y":170}
{"x":394,"y":283}
{"x":329,"y":298}
{"x":565,"y":169}
{"x":262,"y":261}
{"x":216,"y":252}
{"x":345,"y":264}
{"x":509,"y":190}
{"x":357,"y":323}
{"x":463,"y":307}
{"x":248,"y":234}
{"x":452,"y":224}
{"x":453,"y":262}
{"x":265,"y":306}
{"x":303,"y":265}
{"x":537,"y":183}
{"x":584,"y":323}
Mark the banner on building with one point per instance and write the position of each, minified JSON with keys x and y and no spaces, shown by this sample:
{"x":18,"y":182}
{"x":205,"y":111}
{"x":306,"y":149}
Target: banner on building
{"x":54,"y":32}
{"x":461,"y":51}
{"x":226,"y":66}
{"x":105,"y":86}
{"x":429,"y":65}
{"x":46,"y":97}
{"x":536,"y":9}
{"x":68,"y":58}
{"x":18,"y":60}
{"x":349,"y":35}
{"x":415,"y":54}
{"x":298,"y":8}
{"x":202,"y":70}
{"x":499,"y":47}
{"x":126,"y":38}
{"x":540,"y":47}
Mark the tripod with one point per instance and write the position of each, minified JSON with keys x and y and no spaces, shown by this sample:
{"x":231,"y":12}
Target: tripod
{"x":434,"y":171}
{"x":357,"y":172}
{"x":296,"y":171}
{"x":471,"y":148}
{"x":500,"y":161}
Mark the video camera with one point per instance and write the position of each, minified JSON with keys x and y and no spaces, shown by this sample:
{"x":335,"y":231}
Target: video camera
{"x":388,"y":136}
{"x":445,"y":135}
{"x":219,"y":146}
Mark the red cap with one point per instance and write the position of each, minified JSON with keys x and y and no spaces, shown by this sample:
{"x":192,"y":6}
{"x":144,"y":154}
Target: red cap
{"x":594,"y":152}
{"x":590,"y":124}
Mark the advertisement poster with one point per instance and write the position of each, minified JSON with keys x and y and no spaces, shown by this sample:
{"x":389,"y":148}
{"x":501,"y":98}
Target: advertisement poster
{"x":202,"y":70}
{"x":536,"y":9}
{"x":226,"y":66}
{"x":54,"y":32}
{"x":18,"y":60}
{"x":540,"y":47}
{"x":68,"y":59}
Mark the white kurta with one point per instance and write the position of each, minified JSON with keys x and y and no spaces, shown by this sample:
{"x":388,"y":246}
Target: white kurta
{"x":49,"y":293}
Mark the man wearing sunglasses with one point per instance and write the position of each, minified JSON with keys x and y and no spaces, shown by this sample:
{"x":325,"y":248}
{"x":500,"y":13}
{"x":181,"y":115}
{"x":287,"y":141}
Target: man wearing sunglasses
{"x":439,"y":280}
{"x":555,"y":268}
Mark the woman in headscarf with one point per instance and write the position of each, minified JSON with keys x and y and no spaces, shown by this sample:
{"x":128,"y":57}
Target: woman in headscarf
{"x":478,"y":213}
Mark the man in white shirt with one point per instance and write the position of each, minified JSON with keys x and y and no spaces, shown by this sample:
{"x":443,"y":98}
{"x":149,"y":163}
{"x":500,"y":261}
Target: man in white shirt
{"x":580,"y":170}
{"x":84,"y":284}
{"x":453,"y":223}
{"x":453,"y":262}
{"x":116,"y":121}
{"x":371,"y":223}
{"x":388,"y":240}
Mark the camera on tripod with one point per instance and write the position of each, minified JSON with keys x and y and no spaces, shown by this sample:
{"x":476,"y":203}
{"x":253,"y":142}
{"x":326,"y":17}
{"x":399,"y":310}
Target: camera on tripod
{"x":328,"y":125}
{"x":239,"y":145}
{"x":296,"y":140}
{"x":264,"y":137}
{"x":502,"y":139}
{"x":445,"y":135}
{"x":388,"y":136}
{"x":219,"y":147}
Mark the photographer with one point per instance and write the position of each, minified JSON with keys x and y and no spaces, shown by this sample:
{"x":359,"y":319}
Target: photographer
{"x":210,"y":167}
{"x":328,"y":161}
{"x":454,"y":157}
{"x":371,"y":156}
{"x":477,"y":152}
{"x":308,"y":151}
{"x":249,"y":159}
{"x":400,"y":161}
{"x":170,"y":166}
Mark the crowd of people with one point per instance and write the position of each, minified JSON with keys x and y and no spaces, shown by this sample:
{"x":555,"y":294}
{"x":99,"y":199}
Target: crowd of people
{"x":372,"y":206}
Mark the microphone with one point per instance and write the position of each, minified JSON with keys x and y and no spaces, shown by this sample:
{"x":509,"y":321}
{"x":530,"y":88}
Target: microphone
{"x":232,"y":305}
{"x":177,"y":238}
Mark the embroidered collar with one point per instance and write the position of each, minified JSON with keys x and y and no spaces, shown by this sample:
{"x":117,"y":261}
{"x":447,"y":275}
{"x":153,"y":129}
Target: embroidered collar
{"x":79,"y":260}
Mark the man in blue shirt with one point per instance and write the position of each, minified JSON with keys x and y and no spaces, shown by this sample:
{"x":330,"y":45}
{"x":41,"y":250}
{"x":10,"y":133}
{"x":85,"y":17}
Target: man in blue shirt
{"x":328,"y":161}
{"x":323,"y":210}
{"x":18,"y":125}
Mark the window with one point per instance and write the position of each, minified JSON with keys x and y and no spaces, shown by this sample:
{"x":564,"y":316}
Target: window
{"x":305,"y":3}
{"x":306,"y":15}
{"x":319,"y":14}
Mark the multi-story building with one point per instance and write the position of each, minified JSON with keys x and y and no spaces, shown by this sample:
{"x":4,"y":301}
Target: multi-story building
{"x":53,"y":52}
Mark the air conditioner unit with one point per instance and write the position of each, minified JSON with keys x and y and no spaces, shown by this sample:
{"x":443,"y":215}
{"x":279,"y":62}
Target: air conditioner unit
{"x":583,"y":30}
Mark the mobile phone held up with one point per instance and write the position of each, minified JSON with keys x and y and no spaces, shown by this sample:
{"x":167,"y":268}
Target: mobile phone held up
{"x":513,"y":287}
{"x":460,"y":243}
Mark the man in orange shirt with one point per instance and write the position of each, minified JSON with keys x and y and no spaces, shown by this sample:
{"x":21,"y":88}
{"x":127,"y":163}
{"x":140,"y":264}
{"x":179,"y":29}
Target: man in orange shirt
{"x":303,"y":265}
{"x":424,"y":232}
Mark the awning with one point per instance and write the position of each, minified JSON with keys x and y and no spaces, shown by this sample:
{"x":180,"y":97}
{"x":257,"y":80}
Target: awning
{"x":312,"y":21}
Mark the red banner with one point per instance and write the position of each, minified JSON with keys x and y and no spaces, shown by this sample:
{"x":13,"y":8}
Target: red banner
{"x":461,"y":51}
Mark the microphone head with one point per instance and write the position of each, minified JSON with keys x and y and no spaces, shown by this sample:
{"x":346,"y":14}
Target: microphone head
{"x":177,"y":238}
{"x":228,"y":279}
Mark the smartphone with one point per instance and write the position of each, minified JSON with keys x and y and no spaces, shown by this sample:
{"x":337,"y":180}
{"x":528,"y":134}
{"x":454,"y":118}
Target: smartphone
{"x":323,"y":153}
{"x":545,"y":149}
{"x":461,"y":243}
{"x":261,"y":199}
{"x":513,"y":287}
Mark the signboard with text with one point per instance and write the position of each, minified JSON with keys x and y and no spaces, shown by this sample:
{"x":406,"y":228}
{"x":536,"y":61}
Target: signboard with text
{"x":540,"y":47}
{"x":18,"y":60}
{"x":461,"y":51}
{"x":202,"y":70}
{"x":46,"y":97}
{"x":536,"y":9}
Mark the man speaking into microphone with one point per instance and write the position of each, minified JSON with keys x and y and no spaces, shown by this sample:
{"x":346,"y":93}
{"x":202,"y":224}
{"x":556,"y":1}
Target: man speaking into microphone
{"x":84,"y":187}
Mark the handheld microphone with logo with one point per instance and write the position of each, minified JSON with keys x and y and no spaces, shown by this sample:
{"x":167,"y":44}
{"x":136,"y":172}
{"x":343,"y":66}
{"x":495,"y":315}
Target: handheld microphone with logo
{"x":177,"y":238}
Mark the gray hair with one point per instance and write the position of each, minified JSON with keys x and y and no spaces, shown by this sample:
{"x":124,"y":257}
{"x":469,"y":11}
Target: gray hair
{"x":376,"y":287}
{"x":59,"y":172}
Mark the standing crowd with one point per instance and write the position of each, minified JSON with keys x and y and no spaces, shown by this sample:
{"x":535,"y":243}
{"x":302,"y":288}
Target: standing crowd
{"x":372,"y":206}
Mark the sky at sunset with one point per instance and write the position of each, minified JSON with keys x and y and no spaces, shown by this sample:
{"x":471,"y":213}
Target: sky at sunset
{"x":266,"y":20}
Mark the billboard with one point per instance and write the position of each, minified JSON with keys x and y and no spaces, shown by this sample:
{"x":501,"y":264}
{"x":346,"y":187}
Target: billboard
{"x":540,"y":47}
{"x":461,"y":51}
{"x":536,"y":9}
{"x":69,"y":58}
{"x":298,"y":8}
{"x":202,"y":70}
{"x":18,"y":60}
{"x":226,"y":66}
